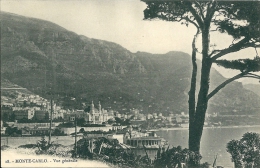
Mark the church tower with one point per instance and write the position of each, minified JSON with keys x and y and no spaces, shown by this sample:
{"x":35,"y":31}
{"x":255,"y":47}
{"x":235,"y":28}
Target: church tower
{"x":100,"y":112}
{"x":92,"y":108}
{"x":92,"y":112}
{"x":99,"y":107}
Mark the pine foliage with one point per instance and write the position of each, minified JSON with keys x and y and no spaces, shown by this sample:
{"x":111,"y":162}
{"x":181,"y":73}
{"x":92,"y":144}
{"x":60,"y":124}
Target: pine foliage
{"x":244,"y":65}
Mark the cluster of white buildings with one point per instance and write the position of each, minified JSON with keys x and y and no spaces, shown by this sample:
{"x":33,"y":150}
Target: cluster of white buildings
{"x":35,"y":107}
{"x":28,"y":106}
{"x":93,"y":116}
{"x":157,"y":116}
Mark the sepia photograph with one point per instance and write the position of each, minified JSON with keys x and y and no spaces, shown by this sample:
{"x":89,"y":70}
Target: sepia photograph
{"x":130,"y":83}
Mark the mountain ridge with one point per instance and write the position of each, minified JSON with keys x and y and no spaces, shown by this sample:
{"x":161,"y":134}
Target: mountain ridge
{"x":51,"y":60}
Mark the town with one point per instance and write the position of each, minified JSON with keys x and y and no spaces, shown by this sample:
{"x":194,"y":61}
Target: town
{"x":28,"y":110}
{"x":131,"y":84}
{"x":27,"y":114}
{"x":31,"y":116}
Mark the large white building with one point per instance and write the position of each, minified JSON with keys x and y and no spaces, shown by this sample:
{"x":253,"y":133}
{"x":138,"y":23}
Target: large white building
{"x":93,"y":116}
{"x":97,"y":116}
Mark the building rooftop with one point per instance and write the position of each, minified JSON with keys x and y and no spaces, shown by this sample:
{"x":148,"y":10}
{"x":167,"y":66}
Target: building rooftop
{"x":146,"y":138}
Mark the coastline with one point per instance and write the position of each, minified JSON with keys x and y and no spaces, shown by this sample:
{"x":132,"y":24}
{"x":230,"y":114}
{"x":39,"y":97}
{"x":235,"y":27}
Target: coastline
{"x":23,"y":155}
{"x":187,"y":128}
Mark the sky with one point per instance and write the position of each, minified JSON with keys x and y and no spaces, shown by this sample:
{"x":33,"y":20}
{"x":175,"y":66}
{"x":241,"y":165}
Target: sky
{"x":120,"y":21}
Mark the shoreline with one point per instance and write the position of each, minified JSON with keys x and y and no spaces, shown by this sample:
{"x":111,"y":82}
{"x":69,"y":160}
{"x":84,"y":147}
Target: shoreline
{"x":187,"y":128}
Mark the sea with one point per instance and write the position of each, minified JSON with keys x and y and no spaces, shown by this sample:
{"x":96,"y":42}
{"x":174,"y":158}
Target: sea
{"x":213,"y":143}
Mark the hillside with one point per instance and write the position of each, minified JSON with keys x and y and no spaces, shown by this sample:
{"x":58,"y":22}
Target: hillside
{"x":51,"y":61}
{"x":253,"y":87}
{"x":9,"y":90}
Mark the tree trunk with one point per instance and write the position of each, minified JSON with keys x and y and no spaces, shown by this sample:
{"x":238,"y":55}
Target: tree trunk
{"x":192,"y":99}
{"x":192,"y":91}
{"x":196,"y":125}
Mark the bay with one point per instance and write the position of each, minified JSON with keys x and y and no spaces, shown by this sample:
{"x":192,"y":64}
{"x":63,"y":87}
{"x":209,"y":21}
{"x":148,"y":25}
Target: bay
{"x":214,"y":141}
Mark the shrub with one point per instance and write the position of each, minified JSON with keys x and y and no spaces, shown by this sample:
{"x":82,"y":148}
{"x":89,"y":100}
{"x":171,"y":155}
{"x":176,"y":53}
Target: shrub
{"x":5,"y":147}
{"x":110,"y":152}
{"x":246,"y":151}
{"x":42,"y":144}
{"x":177,"y":157}
{"x":28,"y":146}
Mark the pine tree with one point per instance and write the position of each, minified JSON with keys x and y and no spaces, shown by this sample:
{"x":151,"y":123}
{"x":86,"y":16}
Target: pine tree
{"x":238,"y":19}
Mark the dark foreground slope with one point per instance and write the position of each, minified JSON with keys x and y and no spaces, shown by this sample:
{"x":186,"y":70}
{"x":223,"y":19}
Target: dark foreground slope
{"x":50,"y":60}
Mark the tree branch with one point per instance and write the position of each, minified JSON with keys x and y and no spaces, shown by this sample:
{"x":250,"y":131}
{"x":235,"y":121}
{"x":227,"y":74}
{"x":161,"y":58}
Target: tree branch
{"x":214,"y":52}
{"x":191,"y":21}
{"x":210,"y":12}
{"x":196,"y":16}
{"x":222,"y":85}
{"x":250,"y":75}
{"x":200,"y":9}
{"x":245,"y":46}
{"x":253,"y":74}
{"x":233,"y":48}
